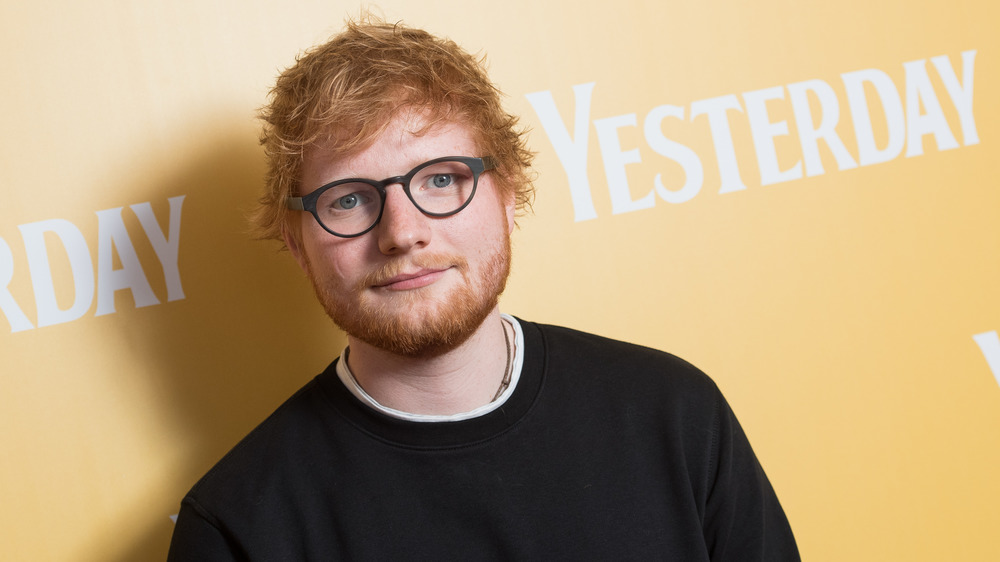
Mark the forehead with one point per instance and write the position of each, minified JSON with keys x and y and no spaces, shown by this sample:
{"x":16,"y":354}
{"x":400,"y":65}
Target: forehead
{"x":409,"y":139}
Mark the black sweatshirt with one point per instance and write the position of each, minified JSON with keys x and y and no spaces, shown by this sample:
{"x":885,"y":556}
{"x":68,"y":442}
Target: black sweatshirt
{"x":605,"y":451}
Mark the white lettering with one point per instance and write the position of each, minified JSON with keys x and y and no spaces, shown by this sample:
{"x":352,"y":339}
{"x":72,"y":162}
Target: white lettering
{"x":112,"y":235}
{"x":722,"y":138}
{"x":989,"y":344}
{"x":112,"y":239}
{"x":892,"y":106}
{"x":615,"y":160}
{"x":571,"y":150}
{"x":810,"y":136}
{"x":72,"y":239}
{"x":693,"y":172}
{"x":18,"y":321}
{"x":764,"y":132}
{"x":919,"y":91}
{"x":815,"y":108}
{"x":167,"y":248}
{"x":961,"y":94}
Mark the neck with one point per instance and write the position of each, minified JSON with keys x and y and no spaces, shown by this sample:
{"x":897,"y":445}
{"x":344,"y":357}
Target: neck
{"x":456,"y":381}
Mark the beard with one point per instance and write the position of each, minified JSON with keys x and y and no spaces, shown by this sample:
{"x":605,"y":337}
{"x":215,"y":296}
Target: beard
{"x":417,"y":322}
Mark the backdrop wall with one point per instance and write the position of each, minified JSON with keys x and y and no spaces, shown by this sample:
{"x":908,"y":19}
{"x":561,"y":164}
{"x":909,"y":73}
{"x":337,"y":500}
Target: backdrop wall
{"x":799,"y":198}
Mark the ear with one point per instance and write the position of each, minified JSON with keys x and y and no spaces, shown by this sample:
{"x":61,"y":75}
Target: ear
{"x":294,"y":245}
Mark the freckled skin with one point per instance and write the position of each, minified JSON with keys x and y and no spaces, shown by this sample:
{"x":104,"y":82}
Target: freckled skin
{"x":453,"y":268}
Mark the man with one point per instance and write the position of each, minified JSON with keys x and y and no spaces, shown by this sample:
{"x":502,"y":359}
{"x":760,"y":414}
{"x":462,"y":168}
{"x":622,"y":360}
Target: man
{"x":446,"y":430}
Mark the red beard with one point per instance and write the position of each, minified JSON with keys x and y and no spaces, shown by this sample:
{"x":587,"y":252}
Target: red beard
{"x":413,"y":323}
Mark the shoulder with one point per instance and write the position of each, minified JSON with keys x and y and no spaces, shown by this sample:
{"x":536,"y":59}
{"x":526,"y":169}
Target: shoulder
{"x":260,"y":457}
{"x":604,"y":372}
{"x":271,"y":473}
{"x":567,"y":348}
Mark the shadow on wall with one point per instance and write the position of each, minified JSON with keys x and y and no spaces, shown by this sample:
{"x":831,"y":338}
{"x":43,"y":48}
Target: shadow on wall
{"x":247,"y":334}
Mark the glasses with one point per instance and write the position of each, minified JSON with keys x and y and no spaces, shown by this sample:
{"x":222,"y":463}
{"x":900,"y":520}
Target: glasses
{"x":351,"y":207}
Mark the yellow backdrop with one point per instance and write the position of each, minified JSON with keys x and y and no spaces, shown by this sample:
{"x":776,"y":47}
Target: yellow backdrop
{"x":799,"y":198}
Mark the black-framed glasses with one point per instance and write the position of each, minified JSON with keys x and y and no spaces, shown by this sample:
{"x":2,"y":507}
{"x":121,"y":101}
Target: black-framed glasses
{"x":353,"y":206}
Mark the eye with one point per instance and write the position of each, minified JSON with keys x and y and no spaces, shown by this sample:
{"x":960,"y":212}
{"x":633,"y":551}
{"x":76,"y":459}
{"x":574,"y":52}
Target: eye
{"x":441,"y":180}
{"x":348,"y":201}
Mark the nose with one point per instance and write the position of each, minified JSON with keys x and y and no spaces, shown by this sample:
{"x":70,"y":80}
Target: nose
{"x":403,"y":227}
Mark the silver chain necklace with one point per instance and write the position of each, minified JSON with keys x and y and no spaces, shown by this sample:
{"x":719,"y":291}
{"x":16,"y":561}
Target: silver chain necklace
{"x":508,"y":369}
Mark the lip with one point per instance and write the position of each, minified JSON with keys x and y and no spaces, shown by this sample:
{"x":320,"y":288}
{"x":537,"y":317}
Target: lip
{"x":412,"y":280}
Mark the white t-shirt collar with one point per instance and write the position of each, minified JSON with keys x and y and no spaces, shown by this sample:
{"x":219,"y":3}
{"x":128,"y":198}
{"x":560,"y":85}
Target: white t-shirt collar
{"x":346,"y":377}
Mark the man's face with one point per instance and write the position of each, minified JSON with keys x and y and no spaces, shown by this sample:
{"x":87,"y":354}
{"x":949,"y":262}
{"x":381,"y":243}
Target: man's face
{"x":415,"y":285}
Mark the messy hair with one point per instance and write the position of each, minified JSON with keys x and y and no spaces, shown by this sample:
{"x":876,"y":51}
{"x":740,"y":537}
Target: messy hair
{"x":342,"y":95}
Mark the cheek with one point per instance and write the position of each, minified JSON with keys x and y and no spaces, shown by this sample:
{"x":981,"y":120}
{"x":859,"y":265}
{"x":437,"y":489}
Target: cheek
{"x":484,"y":231}
{"x":489,"y":212}
{"x":331,"y":258}
{"x":470,"y":230}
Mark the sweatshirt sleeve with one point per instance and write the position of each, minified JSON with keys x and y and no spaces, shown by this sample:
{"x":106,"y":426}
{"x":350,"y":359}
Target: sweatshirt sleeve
{"x":743,"y":518}
{"x":195,"y":538}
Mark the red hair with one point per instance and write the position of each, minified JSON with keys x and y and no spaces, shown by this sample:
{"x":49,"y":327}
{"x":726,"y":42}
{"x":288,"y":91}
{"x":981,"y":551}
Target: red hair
{"x":341,"y":95}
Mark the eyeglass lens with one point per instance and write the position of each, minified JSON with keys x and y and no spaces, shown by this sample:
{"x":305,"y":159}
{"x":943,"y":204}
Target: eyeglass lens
{"x":437,"y":189}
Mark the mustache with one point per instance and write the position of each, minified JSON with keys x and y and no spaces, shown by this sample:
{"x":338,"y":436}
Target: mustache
{"x":390,"y":269}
